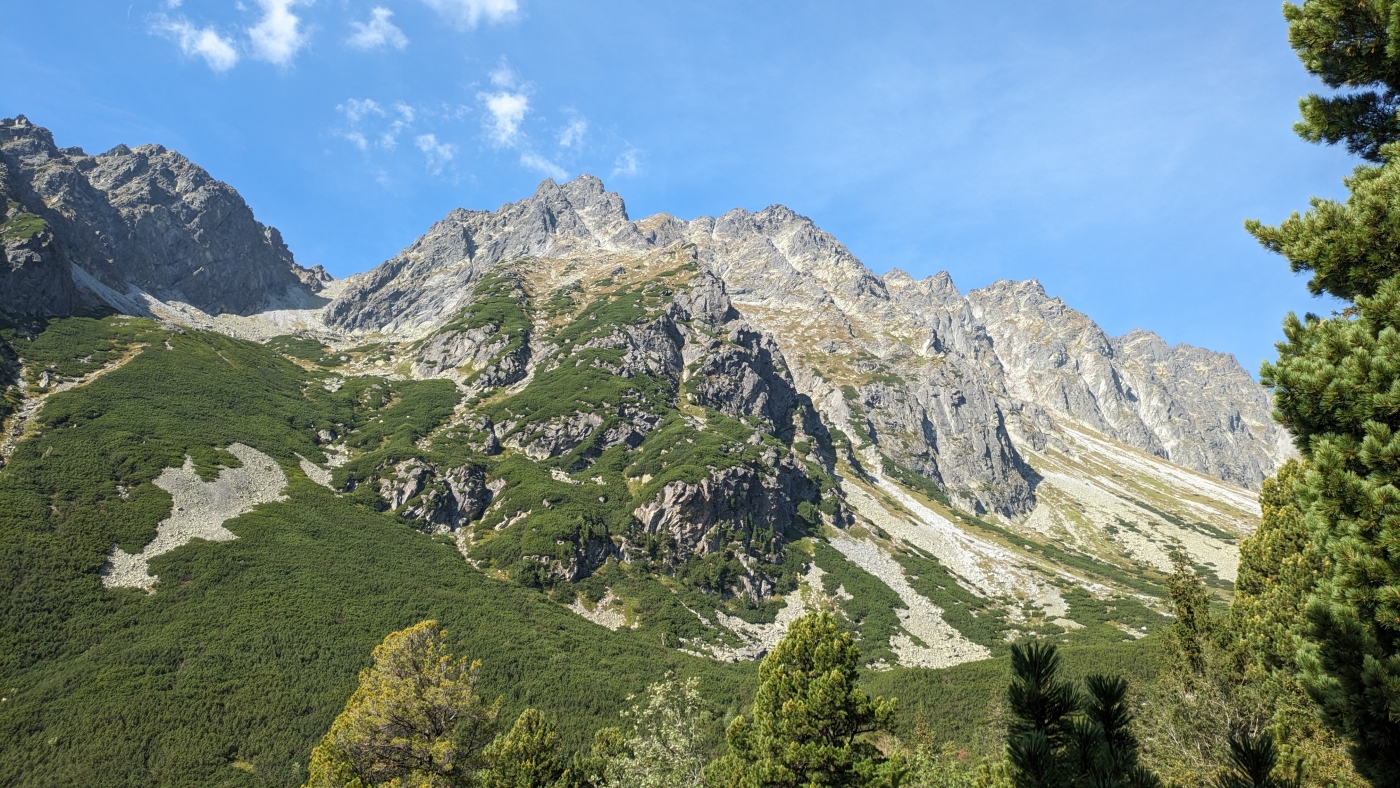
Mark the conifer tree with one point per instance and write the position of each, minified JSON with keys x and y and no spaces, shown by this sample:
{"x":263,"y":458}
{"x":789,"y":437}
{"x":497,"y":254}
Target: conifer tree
{"x":809,"y":718}
{"x":1254,"y":764}
{"x":1060,"y":738}
{"x":527,"y":756}
{"x":1352,"y":45}
{"x":415,"y":718}
{"x":1279,"y":569}
{"x":1337,"y":381}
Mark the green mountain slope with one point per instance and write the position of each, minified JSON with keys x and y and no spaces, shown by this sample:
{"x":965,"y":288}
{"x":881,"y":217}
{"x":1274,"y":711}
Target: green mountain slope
{"x":248,"y":648}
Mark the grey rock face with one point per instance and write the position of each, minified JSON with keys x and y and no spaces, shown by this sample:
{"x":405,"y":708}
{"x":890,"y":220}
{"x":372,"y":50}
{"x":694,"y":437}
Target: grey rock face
{"x":936,"y":382}
{"x":35,"y":278}
{"x":745,"y":375}
{"x":433,"y":277}
{"x":443,"y":499}
{"x":144,"y":219}
{"x":1195,"y":407}
{"x":696,"y":516}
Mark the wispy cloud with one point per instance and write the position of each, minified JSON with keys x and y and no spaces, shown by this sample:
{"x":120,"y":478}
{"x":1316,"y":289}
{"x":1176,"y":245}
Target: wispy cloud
{"x":572,"y":135}
{"x":377,"y":32}
{"x":467,"y":14}
{"x":439,"y":154}
{"x":355,"y":109}
{"x":205,"y":42}
{"x":628,"y":163}
{"x":537,"y":162}
{"x":505,"y":110}
{"x":278,"y":36}
{"x":390,"y":138}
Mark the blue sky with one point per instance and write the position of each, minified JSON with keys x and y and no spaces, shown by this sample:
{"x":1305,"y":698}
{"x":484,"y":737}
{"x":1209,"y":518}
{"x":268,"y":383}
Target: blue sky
{"x":1111,"y":149}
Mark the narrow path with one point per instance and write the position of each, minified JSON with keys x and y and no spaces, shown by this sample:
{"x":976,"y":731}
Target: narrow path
{"x":18,"y":425}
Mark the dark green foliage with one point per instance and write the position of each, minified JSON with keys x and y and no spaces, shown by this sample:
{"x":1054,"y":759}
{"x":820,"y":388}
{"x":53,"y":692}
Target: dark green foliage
{"x":77,"y":345}
{"x":1060,"y":737}
{"x":871,"y":608}
{"x":1253,"y":762}
{"x":307,"y":350}
{"x":526,"y":756}
{"x":1352,"y":46}
{"x":233,"y":669}
{"x":965,"y":704}
{"x":809,"y":718}
{"x":1351,"y":248}
{"x":915,"y":481}
{"x":980,"y":620}
{"x":1279,"y":569}
{"x":1039,"y":700}
{"x":1335,"y":384}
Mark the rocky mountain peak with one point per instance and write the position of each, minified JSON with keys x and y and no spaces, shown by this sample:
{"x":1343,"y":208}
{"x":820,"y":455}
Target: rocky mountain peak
{"x":1003,"y":347}
{"x":135,"y":223}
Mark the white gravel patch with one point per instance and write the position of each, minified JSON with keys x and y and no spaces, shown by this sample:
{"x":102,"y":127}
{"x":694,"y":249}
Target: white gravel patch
{"x":315,"y":473}
{"x":1175,"y":475}
{"x":1103,"y":501}
{"x":607,"y":613}
{"x":199,"y":510}
{"x":759,"y":639}
{"x":984,"y":567}
{"x":938,"y":644}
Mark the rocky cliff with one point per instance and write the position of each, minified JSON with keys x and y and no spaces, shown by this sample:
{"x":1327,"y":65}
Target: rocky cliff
{"x":935,"y":382}
{"x":87,"y":231}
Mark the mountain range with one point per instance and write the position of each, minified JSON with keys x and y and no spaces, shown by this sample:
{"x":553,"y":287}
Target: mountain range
{"x":684,"y":432}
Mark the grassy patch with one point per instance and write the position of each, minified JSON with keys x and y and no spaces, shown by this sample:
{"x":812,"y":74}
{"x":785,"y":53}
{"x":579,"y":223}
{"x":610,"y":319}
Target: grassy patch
{"x":19,"y":225}
{"x":965,"y":704}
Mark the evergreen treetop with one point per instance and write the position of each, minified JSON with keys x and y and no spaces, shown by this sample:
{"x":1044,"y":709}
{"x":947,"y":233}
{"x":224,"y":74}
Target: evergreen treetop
{"x":1352,"y":45}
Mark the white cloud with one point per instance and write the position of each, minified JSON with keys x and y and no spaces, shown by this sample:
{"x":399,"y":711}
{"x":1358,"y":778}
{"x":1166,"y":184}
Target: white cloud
{"x":573,"y":133}
{"x":278,"y":36}
{"x":355,"y":109}
{"x":374,"y":125}
{"x":390,"y":138}
{"x":505,"y":112}
{"x":503,"y":76}
{"x":629,"y":163}
{"x":467,"y":13}
{"x":537,"y":162}
{"x":173,"y":3}
{"x":438,"y":153}
{"x":378,"y":32}
{"x":205,"y":42}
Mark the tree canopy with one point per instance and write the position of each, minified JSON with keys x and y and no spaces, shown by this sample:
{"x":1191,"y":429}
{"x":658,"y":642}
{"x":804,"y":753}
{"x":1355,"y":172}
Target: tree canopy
{"x":809,"y":718}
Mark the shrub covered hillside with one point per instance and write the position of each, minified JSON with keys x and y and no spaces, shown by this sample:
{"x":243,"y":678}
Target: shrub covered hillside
{"x":233,"y":667}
